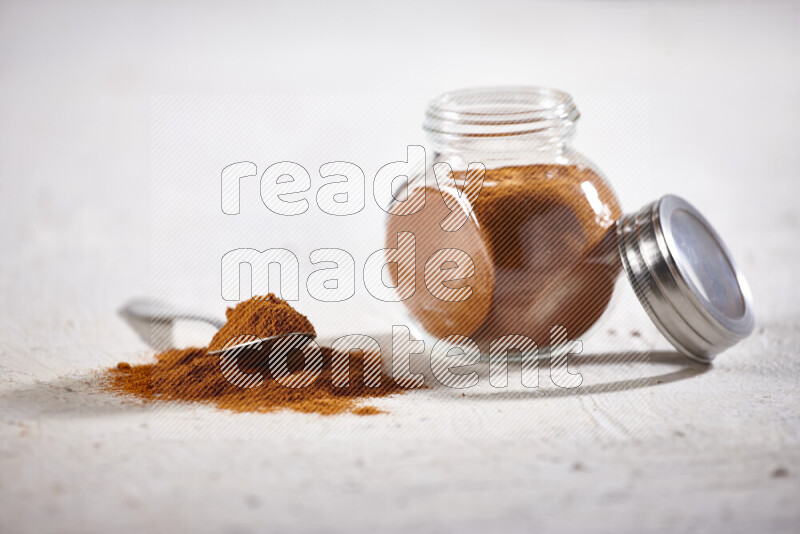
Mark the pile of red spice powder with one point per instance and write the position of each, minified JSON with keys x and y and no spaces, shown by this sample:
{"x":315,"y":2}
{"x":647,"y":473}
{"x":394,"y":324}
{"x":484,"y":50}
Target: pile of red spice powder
{"x":260,"y":317}
{"x":194,"y":375}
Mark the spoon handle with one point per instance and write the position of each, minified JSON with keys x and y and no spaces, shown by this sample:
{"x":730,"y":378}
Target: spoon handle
{"x":155,"y":311}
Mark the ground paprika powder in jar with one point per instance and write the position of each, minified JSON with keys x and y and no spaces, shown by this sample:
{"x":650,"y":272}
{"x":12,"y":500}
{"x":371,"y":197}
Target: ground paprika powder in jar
{"x":539,"y":223}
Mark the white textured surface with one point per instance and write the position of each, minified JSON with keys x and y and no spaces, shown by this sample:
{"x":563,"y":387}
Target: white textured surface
{"x":699,"y":100}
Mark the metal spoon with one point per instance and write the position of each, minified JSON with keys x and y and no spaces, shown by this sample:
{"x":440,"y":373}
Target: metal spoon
{"x":155,"y":320}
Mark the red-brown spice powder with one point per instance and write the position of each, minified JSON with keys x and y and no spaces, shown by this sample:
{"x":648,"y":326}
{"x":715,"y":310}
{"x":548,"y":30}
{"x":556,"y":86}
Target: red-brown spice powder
{"x":194,"y":375}
{"x":261,"y":317}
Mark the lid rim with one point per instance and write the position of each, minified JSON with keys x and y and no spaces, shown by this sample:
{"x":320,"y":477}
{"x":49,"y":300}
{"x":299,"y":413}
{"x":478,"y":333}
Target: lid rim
{"x":641,"y":287}
{"x":739,"y":327}
{"x":678,"y":278}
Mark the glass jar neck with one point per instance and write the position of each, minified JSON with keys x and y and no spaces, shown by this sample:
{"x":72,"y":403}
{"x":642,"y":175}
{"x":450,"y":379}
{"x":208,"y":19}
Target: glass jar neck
{"x":501,"y":124}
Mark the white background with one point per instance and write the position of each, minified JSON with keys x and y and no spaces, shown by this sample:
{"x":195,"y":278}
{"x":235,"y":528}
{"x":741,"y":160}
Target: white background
{"x":697,"y":99}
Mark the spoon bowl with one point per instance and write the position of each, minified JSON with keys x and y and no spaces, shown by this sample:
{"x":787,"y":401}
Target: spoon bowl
{"x":264,"y":345}
{"x":154,"y":320}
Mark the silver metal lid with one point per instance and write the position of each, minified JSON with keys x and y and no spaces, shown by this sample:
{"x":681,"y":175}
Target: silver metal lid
{"x":685,"y":277}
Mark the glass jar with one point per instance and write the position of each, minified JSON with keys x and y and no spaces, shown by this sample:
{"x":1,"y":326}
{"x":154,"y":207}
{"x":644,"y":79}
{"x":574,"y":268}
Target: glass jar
{"x":516,"y":232}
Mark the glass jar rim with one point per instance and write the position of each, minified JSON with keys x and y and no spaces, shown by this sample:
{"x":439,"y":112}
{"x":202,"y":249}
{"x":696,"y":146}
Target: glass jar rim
{"x":500,"y":111}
